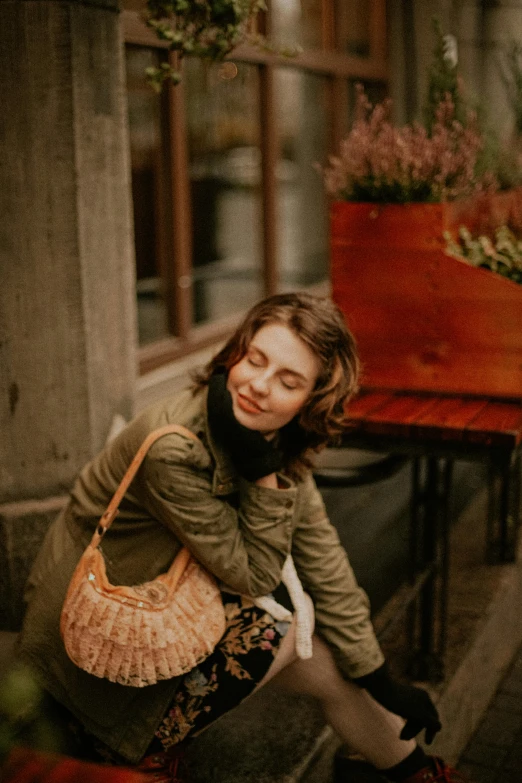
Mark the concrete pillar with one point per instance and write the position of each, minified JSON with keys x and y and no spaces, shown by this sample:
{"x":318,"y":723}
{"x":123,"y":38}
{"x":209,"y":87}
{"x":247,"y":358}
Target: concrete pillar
{"x":67,"y":350}
{"x":411,"y":45}
{"x":467,"y":27}
{"x":67,"y":306}
{"x":502,"y":25}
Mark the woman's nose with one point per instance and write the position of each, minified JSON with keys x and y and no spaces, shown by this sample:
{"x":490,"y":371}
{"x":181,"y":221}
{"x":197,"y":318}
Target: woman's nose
{"x":260,"y":383}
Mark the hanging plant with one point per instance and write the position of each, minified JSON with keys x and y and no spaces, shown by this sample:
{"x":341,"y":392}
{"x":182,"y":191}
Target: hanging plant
{"x":205,"y":28}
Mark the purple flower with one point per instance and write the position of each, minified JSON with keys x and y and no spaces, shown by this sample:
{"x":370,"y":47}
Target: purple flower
{"x":381,"y":162}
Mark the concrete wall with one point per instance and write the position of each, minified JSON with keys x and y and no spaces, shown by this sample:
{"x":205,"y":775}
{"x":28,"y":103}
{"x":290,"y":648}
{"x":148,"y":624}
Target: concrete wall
{"x":67,"y":304}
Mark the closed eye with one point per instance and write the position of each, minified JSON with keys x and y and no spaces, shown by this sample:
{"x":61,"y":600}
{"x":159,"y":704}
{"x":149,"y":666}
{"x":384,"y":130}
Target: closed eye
{"x":289,"y":382}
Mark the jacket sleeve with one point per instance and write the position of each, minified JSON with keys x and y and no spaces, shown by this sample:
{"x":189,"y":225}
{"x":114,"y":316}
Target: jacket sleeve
{"x":244,"y":547}
{"x":342,"y":611}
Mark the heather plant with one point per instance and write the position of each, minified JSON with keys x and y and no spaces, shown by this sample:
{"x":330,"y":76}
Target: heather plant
{"x":380,"y":162}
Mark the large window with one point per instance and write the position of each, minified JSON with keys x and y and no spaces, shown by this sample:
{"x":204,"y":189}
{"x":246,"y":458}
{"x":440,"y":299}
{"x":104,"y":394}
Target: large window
{"x":228,"y":202}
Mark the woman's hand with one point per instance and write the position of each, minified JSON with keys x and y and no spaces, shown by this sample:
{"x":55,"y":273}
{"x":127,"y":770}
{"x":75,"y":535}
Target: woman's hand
{"x":411,"y":703}
{"x":254,"y":457}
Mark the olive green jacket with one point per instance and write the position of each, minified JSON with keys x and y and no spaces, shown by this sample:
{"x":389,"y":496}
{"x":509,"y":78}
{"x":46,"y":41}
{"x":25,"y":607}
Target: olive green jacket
{"x":185,"y":492}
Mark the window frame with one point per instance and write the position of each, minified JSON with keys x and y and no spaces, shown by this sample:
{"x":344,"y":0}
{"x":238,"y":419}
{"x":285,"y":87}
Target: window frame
{"x":339,"y":68}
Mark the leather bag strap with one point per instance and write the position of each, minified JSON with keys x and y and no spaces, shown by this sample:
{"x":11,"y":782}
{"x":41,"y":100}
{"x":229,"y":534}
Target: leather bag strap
{"x":112,"y":509}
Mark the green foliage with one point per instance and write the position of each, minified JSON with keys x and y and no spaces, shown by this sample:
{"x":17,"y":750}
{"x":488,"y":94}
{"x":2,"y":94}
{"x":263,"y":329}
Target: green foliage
{"x":210,"y":29}
{"x":502,"y":255}
{"x":23,"y":720}
{"x":443,"y":79}
{"x":499,"y":161}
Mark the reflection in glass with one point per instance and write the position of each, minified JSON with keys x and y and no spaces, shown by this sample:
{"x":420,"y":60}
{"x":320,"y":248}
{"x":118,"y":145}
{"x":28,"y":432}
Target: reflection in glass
{"x":148,"y":167}
{"x":352,"y":24}
{"x":301,"y":203}
{"x":223,"y":132}
{"x":296,"y":22}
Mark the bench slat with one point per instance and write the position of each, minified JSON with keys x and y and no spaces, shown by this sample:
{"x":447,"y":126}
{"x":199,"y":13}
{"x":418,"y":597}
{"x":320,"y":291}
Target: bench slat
{"x":433,"y":417}
{"x":365,"y":402}
{"x":450,"y":416}
{"x":396,"y":415}
{"x":497,"y":424}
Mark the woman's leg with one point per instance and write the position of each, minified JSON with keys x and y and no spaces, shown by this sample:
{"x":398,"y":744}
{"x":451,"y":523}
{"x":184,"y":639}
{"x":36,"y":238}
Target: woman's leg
{"x":363,"y":724}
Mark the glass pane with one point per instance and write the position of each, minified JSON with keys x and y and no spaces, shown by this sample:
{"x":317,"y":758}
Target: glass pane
{"x":223,"y":131}
{"x":375,"y":91}
{"x":302,"y":111}
{"x":148,"y":168}
{"x":296,"y":22}
{"x":352,"y":24}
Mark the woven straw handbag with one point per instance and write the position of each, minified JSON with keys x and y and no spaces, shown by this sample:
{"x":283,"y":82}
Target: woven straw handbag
{"x":145,"y":633}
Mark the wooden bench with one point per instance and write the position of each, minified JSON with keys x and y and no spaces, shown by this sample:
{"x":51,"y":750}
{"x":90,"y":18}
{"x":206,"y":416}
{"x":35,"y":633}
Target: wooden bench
{"x":435,"y":430}
{"x":441,"y":348}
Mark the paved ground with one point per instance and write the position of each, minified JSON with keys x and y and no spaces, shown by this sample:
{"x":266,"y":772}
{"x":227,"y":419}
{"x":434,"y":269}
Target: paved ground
{"x":494,"y":755}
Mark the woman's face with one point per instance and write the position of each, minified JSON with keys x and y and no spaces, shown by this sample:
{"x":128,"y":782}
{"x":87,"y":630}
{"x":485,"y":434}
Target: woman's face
{"x":274,"y":379}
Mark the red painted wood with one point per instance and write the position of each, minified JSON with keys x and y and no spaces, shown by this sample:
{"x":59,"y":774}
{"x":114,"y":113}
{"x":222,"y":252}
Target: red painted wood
{"x":449,"y":417}
{"x":396,"y":416}
{"x":365,"y":402}
{"x":430,"y":418}
{"x":423,"y":321}
{"x":497,"y":424}
{"x":407,"y":408}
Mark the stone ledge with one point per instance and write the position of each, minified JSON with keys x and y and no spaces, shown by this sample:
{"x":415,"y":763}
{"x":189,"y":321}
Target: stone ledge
{"x":270,"y":738}
{"x":22,"y":527}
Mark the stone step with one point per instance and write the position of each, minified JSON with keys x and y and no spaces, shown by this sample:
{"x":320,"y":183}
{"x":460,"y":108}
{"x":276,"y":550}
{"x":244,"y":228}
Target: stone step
{"x":276,"y":738}
{"x":272,"y":737}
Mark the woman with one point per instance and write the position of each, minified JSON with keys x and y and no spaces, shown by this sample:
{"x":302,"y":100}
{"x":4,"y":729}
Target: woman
{"x":241,"y":499}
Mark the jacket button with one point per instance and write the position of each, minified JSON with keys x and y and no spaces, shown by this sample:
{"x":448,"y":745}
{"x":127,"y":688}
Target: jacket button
{"x":289,"y":504}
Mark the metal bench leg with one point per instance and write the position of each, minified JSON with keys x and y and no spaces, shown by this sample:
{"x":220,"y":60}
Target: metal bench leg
{"x":516,"y":480}
{"x":431,"y":486}
{"x":444,"y":543}
{"x":503,"y":507}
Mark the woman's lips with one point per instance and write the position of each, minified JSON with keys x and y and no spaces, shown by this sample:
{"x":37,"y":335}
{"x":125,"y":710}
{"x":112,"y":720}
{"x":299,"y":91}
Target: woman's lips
{"x":248,"y":405}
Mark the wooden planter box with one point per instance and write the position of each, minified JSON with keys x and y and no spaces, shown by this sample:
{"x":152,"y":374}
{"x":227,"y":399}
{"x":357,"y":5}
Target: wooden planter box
{"x":425,"y":321}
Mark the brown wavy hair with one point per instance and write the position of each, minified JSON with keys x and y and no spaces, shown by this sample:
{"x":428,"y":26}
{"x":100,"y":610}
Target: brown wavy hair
{"x":319,"y":323}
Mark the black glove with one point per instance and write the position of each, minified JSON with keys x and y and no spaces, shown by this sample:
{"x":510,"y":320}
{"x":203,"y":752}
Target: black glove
{"x":252,"y":455}
{"x":411,"y":703}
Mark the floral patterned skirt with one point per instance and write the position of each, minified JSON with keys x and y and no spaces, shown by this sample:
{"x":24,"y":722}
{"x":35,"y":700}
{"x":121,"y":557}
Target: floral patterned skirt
{"x":238,"y":663}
